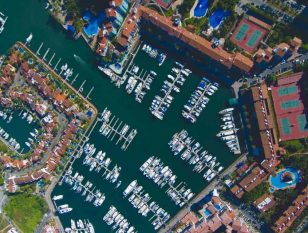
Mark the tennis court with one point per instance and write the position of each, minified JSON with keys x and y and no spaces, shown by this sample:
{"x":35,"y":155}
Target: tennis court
{"x":290,"y":104}
{"x":164,"y":3}
{"x":287,"y":90}
{"x":286,"y":126}
{"x":292,"y":118}
{"x":302,"y":123}
{"x":248,"y":35}
{"x":254,"y":38}
{"x":242,"y":32}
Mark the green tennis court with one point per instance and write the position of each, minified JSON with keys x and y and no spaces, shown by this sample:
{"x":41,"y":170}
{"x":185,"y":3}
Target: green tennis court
{"x":287,"y":90}
{"x":242,"y":32}
{"x":290,"y":104}
{"x":286,"y":126}
{"x":254,"y":38}
{"x":302,"y":122}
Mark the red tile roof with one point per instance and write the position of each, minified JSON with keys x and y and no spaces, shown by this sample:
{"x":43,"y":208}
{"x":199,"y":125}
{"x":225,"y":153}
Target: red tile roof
{"x":196,"y":41}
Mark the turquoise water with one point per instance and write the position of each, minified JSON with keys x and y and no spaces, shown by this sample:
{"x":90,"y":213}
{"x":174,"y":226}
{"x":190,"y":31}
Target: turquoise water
{"x":277,"y":183}
{"x":201,"y":8}
{"x":217,"y":17}
{"x":23,"y":129}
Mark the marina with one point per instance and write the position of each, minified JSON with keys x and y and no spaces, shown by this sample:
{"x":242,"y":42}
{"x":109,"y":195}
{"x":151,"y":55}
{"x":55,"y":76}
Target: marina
{"x":198,"y":101}
{"x":139,"y":82}
{"x":118,"y":222}
{"x":162,"y":175}
{"x":154,"y":53}
{"x":28,"y":140}
{"x":135,"y":194}
{"x":90,"y":193}
{"x":160,"y":104}
{"x":192,"y":152}
{"x":82,"y":226}
{"x":228,"y":133}
{"x":99,"y":162}
{"x":3,"y":20}
{"x":112,"y":128}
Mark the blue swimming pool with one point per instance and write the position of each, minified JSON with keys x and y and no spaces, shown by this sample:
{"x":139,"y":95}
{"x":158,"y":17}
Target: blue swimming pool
{"x":94,"y":22}
{"x":217,"y":17}
{"x":285,"y":178}
{"x":201,"y":8}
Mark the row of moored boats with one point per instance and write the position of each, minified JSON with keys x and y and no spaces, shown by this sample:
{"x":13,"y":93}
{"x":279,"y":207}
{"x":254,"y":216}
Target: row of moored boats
{"x":174,"y":81}
{"x":154,"y":53}
{"x":139,"y":83}
{"x":80,"y":226}
{"x":193,"y":153}
{"x":155,"y":170}
{"x":141,"y":201}
{"x":99,"y":162}
{"x":228,"y":131}
{"x":3,"y":20}
{"x":96,"y":197}
{"x":198,"y":101}
{"x":111,"y":128}
{"x":118,"y":222}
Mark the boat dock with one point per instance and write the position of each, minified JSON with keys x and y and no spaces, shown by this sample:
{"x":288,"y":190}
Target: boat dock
{"x":140,"y":201}
{"x":112,"y":129}
{"x":198,"y":101}
{"x":141,"y":80}
{"x":193,"y":153}
{"x":115,"y":219}
{"x":215,"y":184}
{"x":160,"y":104}
{"x":79,"y":149}
{"x":162,"y":175}
{"x":91,"y":193}
{"x":229,"y":132}
{"x":99,"y":162}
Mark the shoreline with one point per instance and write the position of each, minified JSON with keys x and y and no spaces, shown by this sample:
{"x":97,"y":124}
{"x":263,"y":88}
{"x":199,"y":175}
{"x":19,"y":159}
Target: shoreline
{"x":57,"y":178}
{"x":216,"y":183}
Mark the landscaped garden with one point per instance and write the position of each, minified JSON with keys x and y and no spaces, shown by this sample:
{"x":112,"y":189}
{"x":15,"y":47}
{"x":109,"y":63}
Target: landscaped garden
{"x":26,"y":211}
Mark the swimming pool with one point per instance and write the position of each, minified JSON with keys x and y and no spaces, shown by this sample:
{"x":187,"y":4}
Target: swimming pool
{"x":285,"y":178}
{"x":201,"y":8}
{"x":217,"y":17}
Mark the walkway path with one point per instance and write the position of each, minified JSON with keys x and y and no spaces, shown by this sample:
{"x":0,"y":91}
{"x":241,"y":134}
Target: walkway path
{"x":213,"y":185}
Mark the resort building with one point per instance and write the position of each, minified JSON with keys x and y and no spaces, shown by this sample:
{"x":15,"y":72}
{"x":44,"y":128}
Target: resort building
{"x":129,"y":28}
{"x":289,"y":103}
{"x":280,"y":51}
{"x":291,"y":214}
{"x":254,"y":176}
{"x":265,"y":202}
{"x":264,"y":55}
{"x":295,"y":44}
{"x":215,"y":215}
{"x":46,"y":101}
{"x":265,"y":120}
{"x":198,"y":43}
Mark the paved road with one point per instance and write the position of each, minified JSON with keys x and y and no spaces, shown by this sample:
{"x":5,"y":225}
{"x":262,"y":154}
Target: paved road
{"x":280,"y":68}
{"x":215,"y":184}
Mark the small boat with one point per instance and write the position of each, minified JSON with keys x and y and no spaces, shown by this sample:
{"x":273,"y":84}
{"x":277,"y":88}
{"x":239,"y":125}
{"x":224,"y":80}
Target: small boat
{"x":29,"y":39}
{"x":57,"y":198}
{"x":227,"y":110}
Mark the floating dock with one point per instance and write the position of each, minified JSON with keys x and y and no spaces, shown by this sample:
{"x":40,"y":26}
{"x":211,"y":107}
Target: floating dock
{"x":113,"y":129}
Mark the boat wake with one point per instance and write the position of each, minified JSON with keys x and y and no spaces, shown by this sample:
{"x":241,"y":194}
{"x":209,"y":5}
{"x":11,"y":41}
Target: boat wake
{"x":79,"y":59}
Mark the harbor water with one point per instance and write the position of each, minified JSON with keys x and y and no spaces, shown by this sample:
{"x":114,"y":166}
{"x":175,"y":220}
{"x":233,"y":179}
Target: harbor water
{"x":27,"y":17}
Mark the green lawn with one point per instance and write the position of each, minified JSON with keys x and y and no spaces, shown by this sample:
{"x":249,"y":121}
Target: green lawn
{"x":3,"y":223}
{"x":26,"y":210}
